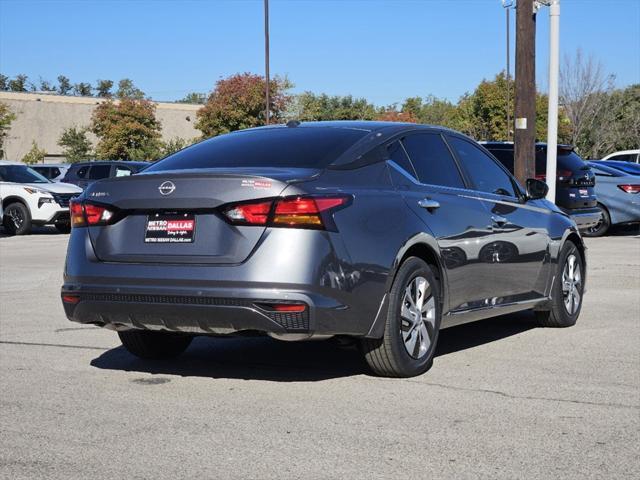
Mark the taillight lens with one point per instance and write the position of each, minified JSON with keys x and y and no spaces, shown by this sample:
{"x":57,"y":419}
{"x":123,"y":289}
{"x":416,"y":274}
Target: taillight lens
{"x":88,"y":214}
{"x":630,"y":188}
{"x":561,"y":175}
{"x":292,"y":212}
{"x":77,"y":213}
{"x":249,"y":213}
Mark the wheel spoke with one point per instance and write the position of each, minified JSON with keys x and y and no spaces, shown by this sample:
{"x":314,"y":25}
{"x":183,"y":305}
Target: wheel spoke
{"x":576,"y":300}
{"x":425,"y":339}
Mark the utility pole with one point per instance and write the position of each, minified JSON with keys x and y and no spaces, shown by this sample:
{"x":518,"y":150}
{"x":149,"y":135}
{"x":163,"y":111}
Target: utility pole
{"x":525,"y":114}
{"x":554,"y":75}
{"x":508,"y":138}
{"x":266,"y":60}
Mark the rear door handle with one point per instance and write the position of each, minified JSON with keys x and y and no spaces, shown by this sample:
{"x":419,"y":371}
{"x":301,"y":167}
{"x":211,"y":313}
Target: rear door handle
{"x":429,"y":204}
{"x":498,"y":220}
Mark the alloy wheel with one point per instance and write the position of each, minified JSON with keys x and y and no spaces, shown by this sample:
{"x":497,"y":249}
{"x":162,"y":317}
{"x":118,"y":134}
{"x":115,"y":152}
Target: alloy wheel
{"x":418,"y":315}
{"x":571,"y":284}
{"x":16,"y":217}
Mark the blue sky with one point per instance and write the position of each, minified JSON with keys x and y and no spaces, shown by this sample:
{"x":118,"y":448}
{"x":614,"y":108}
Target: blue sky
{"x":384,"y":50}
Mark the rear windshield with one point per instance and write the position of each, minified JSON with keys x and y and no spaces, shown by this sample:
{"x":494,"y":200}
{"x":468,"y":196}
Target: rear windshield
{"x":567,"y":159}
{"x":274,"y":147}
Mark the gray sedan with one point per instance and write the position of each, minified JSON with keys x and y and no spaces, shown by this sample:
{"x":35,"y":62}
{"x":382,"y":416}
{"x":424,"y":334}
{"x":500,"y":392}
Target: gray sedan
{"x":618,"y":198}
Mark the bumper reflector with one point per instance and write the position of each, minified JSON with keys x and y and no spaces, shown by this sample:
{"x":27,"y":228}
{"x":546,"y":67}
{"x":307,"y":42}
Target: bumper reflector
{"x":72,"y":299}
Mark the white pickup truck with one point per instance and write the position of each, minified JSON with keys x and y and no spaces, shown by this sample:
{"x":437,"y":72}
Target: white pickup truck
{"x":30,"y":199}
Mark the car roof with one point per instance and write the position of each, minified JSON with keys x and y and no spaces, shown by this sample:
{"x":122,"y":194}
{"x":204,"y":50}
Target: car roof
{"x":7,"y":162}
{"x":624,"y":152}
{"x":110,"y":162}
{"x":367,"y":125}
{"x":493,"y":144}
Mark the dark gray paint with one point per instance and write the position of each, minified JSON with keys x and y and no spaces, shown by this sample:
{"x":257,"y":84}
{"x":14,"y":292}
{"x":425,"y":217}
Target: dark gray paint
{"x":486,"y":268}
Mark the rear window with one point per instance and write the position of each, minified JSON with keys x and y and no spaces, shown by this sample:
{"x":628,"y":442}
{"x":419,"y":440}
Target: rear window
{"x":273,"y":147}
{"x":567,"y":160}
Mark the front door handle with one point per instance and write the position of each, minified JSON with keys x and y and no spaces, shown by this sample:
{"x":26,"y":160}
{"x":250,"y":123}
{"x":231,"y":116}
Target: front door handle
{"x":429,"y":204}
{"x":498,"y":220}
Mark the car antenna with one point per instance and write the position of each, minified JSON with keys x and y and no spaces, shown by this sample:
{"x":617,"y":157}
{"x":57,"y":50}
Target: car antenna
{"x":293,"y":123}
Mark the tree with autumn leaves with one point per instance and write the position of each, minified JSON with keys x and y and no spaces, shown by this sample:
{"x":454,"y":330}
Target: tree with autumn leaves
{"x":127,"y":129}
{"x":238,"y":102}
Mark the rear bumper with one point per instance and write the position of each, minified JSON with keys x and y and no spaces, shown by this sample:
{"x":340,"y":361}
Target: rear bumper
{"x":584,"y":218}
{"x":193,"y":312}
{"x":313,"y":269}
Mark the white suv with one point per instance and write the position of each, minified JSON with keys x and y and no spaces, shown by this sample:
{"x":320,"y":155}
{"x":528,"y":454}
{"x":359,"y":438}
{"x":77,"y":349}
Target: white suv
{"x":29,"y":199}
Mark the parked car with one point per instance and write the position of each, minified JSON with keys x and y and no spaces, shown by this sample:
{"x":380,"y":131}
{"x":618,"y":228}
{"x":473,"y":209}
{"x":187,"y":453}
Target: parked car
{"x":30,"y":199}
{"x":85,"y":173}
{"x":55,"y":173}
{"x":381,"y":232}
{"x":626,"y":167}
{"x":631,"y":156}
{"x":575,"y":194}
{"x":618,"y":198}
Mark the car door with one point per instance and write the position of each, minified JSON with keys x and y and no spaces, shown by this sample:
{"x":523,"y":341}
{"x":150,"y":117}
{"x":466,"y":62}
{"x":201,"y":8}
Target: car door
{"x":436,"y":191}
{"x":516,"y":258}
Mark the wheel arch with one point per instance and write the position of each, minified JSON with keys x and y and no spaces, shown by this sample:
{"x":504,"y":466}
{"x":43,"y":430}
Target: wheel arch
{"x":14,"y":199}
{"x":425,"y":247}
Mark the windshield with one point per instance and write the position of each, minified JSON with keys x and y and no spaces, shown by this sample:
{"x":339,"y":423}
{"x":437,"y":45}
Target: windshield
{"x":20,"y":174}
{"x":273,"y":147}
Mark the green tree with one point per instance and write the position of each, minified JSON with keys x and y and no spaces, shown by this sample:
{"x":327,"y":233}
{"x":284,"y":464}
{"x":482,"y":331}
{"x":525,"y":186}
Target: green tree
{"x":430,"y":110}
{"x":64,"y":85}
{"x":18,"y":84}
{"x":312,"y":107}
{"x":4,"y":83}
{"x":126,"y":89}
{"x":6,"y":117}
{"x":174,"y":145}
{"x":127,"y":130}
{"x":46,"y":86}
{"x":238,"y":102}
{"x":82,"y":89}
{"x":35,"y":155}
{"x":103,"y":88}
{"x":76,"y":145}
{"x":195,"y":98}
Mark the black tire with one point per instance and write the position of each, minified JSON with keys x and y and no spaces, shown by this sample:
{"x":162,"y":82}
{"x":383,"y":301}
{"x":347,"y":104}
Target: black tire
{"x":63,"y":227}
{"x":154,"y":345}
{"x":602,"y":227}
{"x":559,"y":315}
{"x":389,"y":356}
{"x":17,"y":219}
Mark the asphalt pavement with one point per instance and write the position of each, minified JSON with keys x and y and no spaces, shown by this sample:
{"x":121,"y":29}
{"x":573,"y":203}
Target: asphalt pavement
{"x":504,"y":399}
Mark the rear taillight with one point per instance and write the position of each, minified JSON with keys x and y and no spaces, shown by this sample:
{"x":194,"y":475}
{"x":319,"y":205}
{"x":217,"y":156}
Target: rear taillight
{"x":630,"y":188}
{"x":289,"y":212}
{"x":88,"y":214}
{"x":561,"y":175}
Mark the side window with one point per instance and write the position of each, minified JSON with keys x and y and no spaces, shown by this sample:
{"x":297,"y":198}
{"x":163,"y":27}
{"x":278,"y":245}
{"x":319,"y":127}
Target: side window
{"x":399,"y":156}
{"x":624,"y":158}
{"x":82,"y":172}
{"x":485,"y":173}
{"x":432,"y":160}
{"x":122,"y":171}
{"x":505,"y":157}
{"x":55,"y":171}
{"x":99,"y":171}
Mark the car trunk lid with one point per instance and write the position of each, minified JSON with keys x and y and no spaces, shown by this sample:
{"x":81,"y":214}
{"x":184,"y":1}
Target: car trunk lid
{"x":173,"y":217}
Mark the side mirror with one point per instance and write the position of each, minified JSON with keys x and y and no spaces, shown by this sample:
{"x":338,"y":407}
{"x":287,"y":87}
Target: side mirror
{"x":536,"y":189}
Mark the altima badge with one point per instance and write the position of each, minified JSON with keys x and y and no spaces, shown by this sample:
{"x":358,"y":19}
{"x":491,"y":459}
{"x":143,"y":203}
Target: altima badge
{"x":166,"y":188}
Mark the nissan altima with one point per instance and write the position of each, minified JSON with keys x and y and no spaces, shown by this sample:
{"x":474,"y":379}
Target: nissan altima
{"x":384,"y":233}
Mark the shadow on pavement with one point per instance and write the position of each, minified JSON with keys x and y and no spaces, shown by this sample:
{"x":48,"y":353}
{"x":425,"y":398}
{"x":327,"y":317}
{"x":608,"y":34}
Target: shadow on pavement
{"x":266,"y":359}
